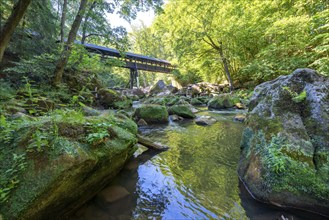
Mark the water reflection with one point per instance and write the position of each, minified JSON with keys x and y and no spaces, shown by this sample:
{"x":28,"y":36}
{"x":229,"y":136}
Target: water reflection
{"x":195,"y":179}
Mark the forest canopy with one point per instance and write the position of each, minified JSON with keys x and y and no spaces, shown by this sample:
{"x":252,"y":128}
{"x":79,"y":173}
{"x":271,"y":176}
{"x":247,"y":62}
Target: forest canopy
{"x":260,"y":40}
{"x":243,"y":42}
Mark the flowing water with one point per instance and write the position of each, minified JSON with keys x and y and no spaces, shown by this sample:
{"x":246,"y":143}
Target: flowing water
{"x":195,"y":179}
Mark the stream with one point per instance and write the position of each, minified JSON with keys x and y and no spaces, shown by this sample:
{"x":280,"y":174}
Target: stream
{"x":195,"y":179}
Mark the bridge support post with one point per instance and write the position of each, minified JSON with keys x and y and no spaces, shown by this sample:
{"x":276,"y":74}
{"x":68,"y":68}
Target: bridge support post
{"x":137,"y":78}
{"x":132,"y":73}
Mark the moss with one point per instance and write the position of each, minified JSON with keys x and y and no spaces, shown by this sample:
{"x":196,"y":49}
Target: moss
{"x":223,"y":101}
{"x":287,"y":170}
{"x":182,"y":110}
{"x":269,"y":126}
{"x":70,"y":171}
{"x":124,"y":104}
{"x":172,"y":101}
{"x":152,"y":113}
{"x":127,"y":124}
{"x":196,"y":102}
{"x":301,"y":179}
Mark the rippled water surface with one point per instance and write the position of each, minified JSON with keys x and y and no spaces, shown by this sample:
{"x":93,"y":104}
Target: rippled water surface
{"x":195,"y":179}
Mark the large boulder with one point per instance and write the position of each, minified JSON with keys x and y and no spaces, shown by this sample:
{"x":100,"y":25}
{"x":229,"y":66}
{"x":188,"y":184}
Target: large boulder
{"x":193,"y":90}
{"x":285,"y":147}
{"x":184,"y":111}
{"x":113,"y":99}
{"x":223,"y":101}
{"x":52,"y":165}
{"x":151,"y":113}
{"x":159,"y":87}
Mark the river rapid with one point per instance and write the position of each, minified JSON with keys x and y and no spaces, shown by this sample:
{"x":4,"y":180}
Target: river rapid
{"x":196,"y":179}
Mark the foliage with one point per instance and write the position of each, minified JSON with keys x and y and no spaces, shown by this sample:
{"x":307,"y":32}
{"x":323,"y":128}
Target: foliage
{"x":38,"y":142}
{"x":98,"y":133}
{"x":295,"y":96}
{"x":38,"y":67}
{"x":9,"y":179}
{"x":6,"y":91}
{"x":261,"y":39}
{"x":275,"y":159}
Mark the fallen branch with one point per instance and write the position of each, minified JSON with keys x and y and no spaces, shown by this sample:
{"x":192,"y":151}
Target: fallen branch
{"x":150,"y":144}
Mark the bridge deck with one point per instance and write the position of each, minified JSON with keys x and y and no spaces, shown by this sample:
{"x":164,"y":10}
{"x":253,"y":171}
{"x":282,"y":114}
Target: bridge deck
{"x":133,"y":60}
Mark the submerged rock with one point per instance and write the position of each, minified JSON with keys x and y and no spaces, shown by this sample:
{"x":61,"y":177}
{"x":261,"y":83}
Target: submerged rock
{"x":151,"y":113}
{"x":112,"y":194}
{"x":285,"y":147}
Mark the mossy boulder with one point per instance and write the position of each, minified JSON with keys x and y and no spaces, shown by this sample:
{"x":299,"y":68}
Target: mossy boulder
{"x":109,"y":98}
{"x":285,"y":147}
{"x":196,"y":102}
{"x":151,"y":113}
{"x":203,"y":100}
{"x":123,"y":104}
{"x":223,"y":101}
{"x":184,"y":111}
{"x":56,"y":163}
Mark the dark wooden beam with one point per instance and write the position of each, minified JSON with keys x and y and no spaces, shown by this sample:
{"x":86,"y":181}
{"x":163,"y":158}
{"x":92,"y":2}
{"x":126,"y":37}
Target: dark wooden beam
{"x":146,"y":67}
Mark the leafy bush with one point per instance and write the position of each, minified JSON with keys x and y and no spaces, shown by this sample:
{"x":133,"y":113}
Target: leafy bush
{"x":9,"y":179}
{"x":6,"y":91}
{"x":38,"y":68}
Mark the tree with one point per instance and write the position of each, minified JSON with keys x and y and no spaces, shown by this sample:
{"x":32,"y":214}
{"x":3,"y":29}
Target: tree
{"x":63,"y":18}
{"x":243,"y":40}
{"x":59,"y":69}
{"x":9,"y":28}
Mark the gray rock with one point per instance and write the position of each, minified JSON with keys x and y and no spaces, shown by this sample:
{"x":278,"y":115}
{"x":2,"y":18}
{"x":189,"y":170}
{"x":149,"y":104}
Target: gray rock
{"x":90,"y":111}
{"x":239,"y":118}
{"x":175,"y":118}
{"x":205,"y":120}
{"x":159,"y":87}
{"x":141,"y":122}
{"x":285,"y":147}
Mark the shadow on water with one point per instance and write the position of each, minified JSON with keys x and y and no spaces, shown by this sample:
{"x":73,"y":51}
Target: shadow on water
{"x":195,"y":179}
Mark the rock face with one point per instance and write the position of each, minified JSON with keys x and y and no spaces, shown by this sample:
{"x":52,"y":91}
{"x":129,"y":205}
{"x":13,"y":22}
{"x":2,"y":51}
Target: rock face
{"x":285,"y":147}
{"x":151,"y":113}
{"x":62,"y":162}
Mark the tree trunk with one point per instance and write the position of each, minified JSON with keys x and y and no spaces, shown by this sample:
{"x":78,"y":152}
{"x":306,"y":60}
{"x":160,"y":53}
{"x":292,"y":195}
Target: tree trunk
{"x":12,"y":22}
{"x":227,"y":71}
{"x":63,"y":18}
{"x":68,"y":46}
{"x":85,"y":23}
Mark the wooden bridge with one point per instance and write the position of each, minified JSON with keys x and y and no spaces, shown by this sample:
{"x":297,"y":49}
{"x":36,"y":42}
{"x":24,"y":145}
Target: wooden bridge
{"x":133,"y":61}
